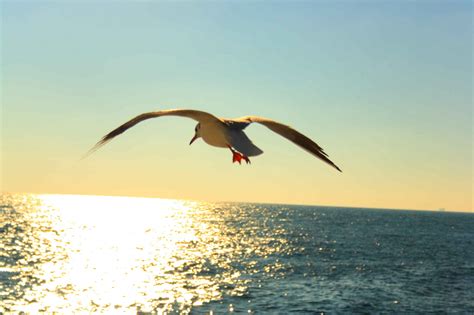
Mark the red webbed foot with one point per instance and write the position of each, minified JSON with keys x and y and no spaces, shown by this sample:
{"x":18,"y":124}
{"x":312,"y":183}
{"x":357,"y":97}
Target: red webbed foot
{"x":238,"y":157}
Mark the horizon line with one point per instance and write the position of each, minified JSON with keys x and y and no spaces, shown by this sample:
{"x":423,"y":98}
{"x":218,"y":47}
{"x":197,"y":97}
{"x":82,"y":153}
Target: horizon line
{"x":441,"y":210}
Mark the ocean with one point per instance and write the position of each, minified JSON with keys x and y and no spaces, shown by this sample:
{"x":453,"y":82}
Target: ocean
{"x":94,"y":254}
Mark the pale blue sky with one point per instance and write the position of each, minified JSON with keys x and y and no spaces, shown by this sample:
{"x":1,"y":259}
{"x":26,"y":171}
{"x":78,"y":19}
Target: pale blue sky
{"x":384,"y":87}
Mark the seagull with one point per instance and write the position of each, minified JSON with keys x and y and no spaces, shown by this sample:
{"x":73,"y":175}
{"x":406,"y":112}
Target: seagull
{"x":225,"y":133}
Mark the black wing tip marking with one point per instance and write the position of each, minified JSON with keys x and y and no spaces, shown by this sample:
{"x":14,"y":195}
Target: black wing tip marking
{"x":96,"y":147}
{"x":326,"y":159}
{"x":337,"y":168}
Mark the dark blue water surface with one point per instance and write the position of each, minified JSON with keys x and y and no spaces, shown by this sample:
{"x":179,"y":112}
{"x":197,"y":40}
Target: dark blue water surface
{"x":230,"y":257}
{"x":359,"y":260}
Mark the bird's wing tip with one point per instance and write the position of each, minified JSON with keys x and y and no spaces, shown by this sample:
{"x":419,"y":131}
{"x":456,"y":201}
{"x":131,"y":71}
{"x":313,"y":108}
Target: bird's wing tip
{"x":95,"y":148}
{"x":88,"y":153}
{"x":337,"y":167}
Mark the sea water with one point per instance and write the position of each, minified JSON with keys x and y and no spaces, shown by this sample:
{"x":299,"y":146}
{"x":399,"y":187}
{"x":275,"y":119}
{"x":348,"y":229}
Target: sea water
{"x":92,"y":254}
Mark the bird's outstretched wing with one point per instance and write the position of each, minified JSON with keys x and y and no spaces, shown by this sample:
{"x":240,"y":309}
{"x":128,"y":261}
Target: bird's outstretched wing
{"x":197,"y":115}
{"x":291,"y":134}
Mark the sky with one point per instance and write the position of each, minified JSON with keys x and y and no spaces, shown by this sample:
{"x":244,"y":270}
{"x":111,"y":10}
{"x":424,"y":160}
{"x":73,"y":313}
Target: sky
{"x":385,"y":87}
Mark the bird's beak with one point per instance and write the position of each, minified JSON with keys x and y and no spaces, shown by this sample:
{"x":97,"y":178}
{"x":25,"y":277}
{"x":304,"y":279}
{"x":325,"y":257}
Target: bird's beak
{"x":193,"y":139}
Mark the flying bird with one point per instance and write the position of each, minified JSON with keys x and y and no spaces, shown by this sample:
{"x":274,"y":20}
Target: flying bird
{"x":226,"y":133}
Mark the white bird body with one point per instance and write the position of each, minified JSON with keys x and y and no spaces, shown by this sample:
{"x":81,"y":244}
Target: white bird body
{"x":214,"y":133}
{"x":226,"y":133}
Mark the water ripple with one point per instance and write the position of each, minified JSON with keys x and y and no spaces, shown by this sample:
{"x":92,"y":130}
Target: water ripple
{"x":74,"y":254}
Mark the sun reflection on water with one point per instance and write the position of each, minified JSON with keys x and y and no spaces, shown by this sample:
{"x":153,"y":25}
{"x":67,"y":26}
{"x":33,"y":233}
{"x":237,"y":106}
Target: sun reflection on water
{"x":120,"y":254}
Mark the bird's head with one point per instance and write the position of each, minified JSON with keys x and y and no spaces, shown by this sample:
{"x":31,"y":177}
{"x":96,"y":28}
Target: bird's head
{"x":197,"y":133}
